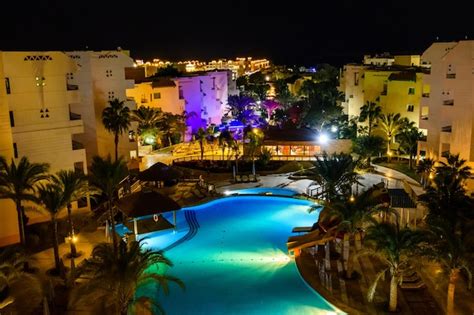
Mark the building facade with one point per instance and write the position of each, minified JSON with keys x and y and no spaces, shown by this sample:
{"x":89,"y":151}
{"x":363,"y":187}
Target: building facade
{"x":38,"y":119}
{"x":447,"y":108}
{"x":100,"y":78}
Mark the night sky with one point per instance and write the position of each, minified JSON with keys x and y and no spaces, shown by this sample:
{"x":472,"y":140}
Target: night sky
{"x":296,"y":32}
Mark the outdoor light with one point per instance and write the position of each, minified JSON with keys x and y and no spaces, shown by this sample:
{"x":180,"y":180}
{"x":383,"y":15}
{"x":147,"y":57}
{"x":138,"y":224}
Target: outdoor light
{"x":431,"y":176}
{"x":323,"y":138}
{"x":149,"y":140}
{"x":227,"y":193}
{"x":389,"y":153}
{"x":334,"y":129}
{"x":352,"y":198}
{"x":267,"y":78}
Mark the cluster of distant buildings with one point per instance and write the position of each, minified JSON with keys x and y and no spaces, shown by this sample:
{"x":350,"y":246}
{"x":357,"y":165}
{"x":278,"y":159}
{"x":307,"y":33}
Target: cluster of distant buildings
{"x":435,"y":90}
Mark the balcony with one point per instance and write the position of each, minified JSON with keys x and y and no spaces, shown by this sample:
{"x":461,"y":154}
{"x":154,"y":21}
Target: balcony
{"x":74,"y":116}
{"x":451,"y":76}
{"x":424,"y":117}
{"x":448,"y":102}
{"x":425,"y":95}
{"x":72,"y":87}
{"x":447,"y":129}
{"x":144,"y":100}
{"x":424,"y":138}
{"x":77,"y":145}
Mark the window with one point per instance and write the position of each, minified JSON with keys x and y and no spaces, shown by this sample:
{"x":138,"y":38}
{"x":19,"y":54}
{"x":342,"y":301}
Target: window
{"x":108,"y":73}
{"x":157,"y":95}
{"x":7,"y":85}
{"x":15,"y":151}
{"x":410,"y":108}
{"x":411,"y":91}
{"x":356,"y":78}
{"x":111,"y":95}
{"x":70,"y":76}
{"x":12,"y":119}
{"x":40,"y":81}
{"x":151,"y":97}
{"x":181,"y":95}
{"x":131,"y":136}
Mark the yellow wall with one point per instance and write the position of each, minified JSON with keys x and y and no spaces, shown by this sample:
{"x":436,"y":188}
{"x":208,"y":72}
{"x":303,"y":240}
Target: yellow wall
{"x":169,"y":101}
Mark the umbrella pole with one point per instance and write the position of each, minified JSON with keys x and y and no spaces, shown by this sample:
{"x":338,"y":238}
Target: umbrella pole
{"x":135,"y":227}
{"x":174,"y":220}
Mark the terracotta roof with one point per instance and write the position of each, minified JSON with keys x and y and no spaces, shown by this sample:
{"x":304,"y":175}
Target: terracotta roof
{"x":144,"y":203}
{"x":403,"y":76}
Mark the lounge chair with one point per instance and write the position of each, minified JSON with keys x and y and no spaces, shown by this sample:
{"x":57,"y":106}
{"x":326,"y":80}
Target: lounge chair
{"x":301,"y":229}
{"x":413,"y":285}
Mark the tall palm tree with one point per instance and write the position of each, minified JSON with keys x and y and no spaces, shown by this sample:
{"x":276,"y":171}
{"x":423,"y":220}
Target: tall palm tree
{"x":114,"y":280}
{"x":335,"y":174}
{"x":17,"y":285}
{"x":394,"y":247}
{"x":225,"y":141}
{"x":370,"y":112}
{"x":353,"y":213}
{"x":51,"y":197}
{"x":409,"y":142}
{"x":425,"y":168}
{"x":148,"y":120}
{"x":74,"y":186}
{"x":19,"y":182}
{"x":390,"y":125}
{"x":116,"y":119}
{"x":105,"y":176}
{"x":450,"y":251}
{"x":201,"y":136}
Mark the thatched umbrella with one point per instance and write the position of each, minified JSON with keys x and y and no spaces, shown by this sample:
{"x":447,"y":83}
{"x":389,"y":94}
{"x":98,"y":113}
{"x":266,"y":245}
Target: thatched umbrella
{"x":146,"y":203}
{"x":160,"y":172}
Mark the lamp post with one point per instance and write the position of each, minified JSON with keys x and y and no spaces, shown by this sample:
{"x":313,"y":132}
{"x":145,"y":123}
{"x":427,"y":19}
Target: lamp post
{"x":72,"y":240}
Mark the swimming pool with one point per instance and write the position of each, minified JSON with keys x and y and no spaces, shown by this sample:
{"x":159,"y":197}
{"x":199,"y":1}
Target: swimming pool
{"x":262,"y":190}
{"x":236,"y":263}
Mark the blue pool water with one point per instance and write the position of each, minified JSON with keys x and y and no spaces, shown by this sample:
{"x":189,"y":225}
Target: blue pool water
{"x":236,"y":263}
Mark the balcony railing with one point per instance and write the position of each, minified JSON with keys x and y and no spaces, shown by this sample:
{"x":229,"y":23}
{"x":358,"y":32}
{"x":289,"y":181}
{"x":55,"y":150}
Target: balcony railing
{"x":77,"y":145}
{"x":72,"y":87}
{"x":74,"y":116}
{"x":448,"y":102}
{"x":425,"y":95}
{"x":451,"y":76}
{"x":447,"y":129}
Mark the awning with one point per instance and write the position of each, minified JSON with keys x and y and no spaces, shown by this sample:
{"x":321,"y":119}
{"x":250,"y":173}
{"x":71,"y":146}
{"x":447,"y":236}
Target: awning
{"x":144,"y":203}
{"x":160,"y":172}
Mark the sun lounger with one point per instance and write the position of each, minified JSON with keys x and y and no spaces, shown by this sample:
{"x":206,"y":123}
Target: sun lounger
{"x":301,"y":229}
{"x":413,"y":285}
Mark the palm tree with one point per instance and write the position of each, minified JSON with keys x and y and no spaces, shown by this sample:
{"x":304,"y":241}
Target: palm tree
{"x":115,"y":279}
{"x":390,"y":125}
{"x":224,"y":139}
{"x":19,"y":183}
{"x":450,"y":250}
{"x":105,"y":177}
{"x":425,"y":168}
{"x":16,"y":285}
{"x":370,"y":112}
{"x":201,"y":136}
{"x":270,"y":107}
{"x":409,"y":141}
{"x":393,"y":246}
{"x":455,"y":166}
{"x":335,"y":174}
{"x":116,"y":119}
{"x":352,"y":213}
{"x":368,"y":146}
{"x":148,"y":120}
{"x":75,"y":186}
{"x":51,"y":197}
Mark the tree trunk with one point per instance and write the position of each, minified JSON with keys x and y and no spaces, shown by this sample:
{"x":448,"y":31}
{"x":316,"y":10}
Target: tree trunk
{"x":392,"y":304}
{"x":21,"y":223}
{"x":451,"y":287}
{"x":112,"y":224}
{"x":345,"y":253}
{"x":71,"y":230}
{"x":116,"y":141}
{"x":57,"y":262}
{"x":169,"y":140}
{"x":201,"y":146}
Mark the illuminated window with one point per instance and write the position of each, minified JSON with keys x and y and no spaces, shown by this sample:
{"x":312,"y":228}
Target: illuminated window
{"x":157,"y":96}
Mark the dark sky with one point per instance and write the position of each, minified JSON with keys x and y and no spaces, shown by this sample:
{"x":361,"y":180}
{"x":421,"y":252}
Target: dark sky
{"x":292,"y":32}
